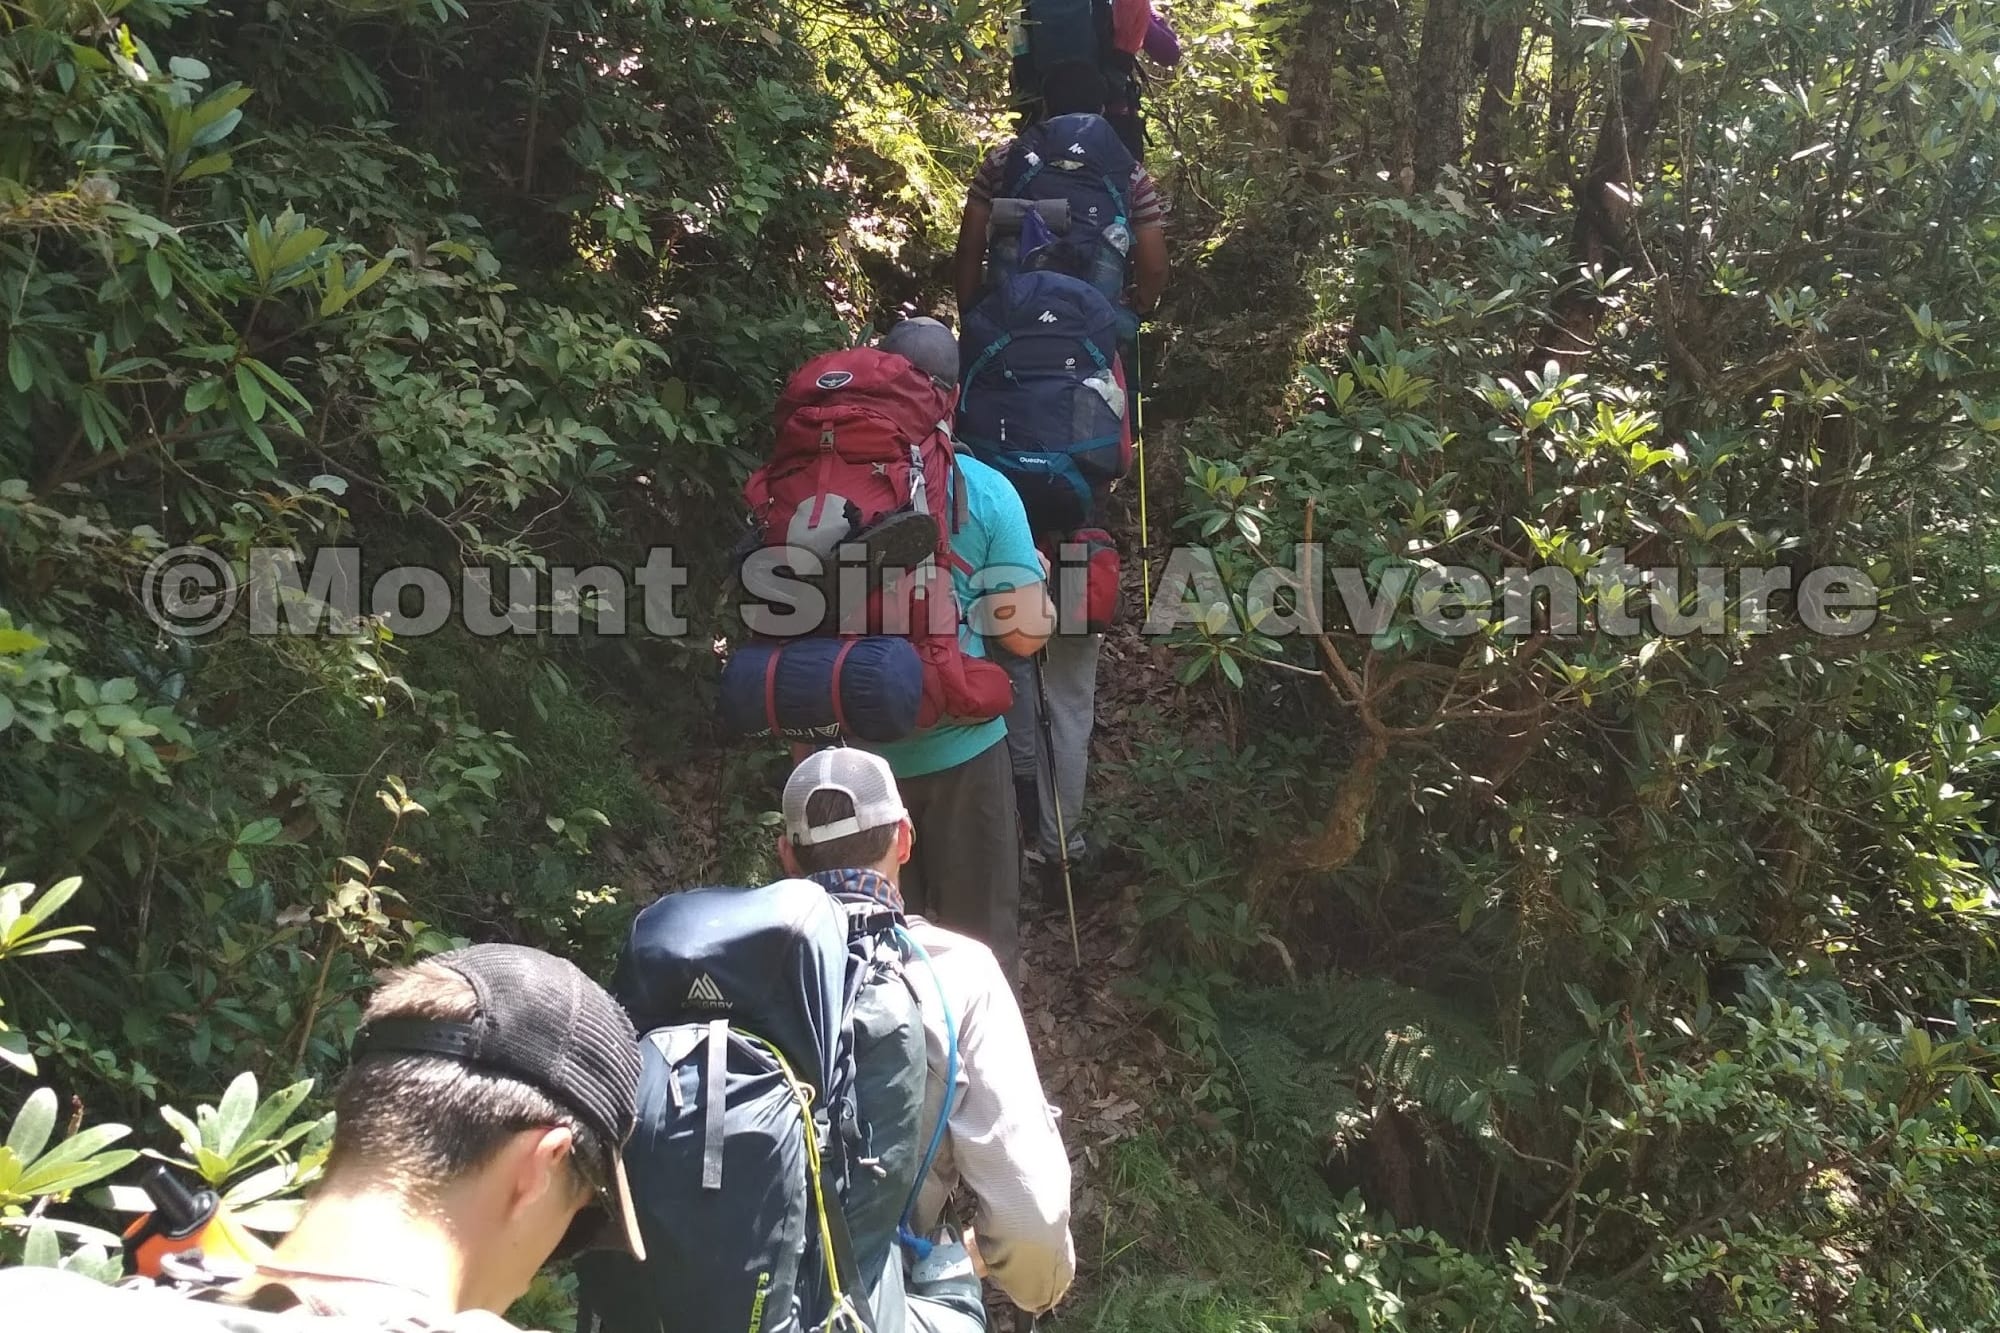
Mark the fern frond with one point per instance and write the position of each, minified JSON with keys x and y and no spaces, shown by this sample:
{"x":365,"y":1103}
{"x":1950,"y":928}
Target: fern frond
{"x":1416,"y":1045}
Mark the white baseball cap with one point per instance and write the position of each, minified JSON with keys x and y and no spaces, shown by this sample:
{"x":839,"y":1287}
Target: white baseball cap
{"x":862,"y":777}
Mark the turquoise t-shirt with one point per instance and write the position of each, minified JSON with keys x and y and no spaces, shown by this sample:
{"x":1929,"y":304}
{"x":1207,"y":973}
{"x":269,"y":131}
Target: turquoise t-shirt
{"x":998,"y":553}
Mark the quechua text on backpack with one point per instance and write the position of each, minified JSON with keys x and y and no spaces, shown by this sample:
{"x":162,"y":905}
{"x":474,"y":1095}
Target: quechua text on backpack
{"x":1044,"y":400}
{"x":778,"y":1139}
{"x":862,"y":466}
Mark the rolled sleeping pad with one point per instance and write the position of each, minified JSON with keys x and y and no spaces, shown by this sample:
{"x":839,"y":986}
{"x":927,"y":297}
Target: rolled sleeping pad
{"x":864,"y":688}
{"x":1007,"y":215}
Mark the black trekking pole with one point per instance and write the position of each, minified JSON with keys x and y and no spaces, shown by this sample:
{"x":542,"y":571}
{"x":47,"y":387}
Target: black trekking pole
{"x":1055,"y":794}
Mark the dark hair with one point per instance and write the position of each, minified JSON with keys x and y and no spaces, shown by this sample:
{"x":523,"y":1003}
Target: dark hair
{"x":857,"y":851}
{"x":422,"y":1122}
{"x":1071,"y":86}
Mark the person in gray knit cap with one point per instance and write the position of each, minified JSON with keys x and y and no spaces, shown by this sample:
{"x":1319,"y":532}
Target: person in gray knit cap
{"x":926,"y":344}
{"x":957,"y":780}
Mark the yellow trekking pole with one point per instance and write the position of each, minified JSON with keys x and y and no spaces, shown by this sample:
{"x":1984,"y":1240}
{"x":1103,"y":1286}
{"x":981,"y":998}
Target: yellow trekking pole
{"x":1139,"y":447}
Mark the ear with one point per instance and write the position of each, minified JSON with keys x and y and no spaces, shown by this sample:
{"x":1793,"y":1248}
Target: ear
{"x":788,"y":856}
{"x":542,"y":1166}
{"x":906,"y":841}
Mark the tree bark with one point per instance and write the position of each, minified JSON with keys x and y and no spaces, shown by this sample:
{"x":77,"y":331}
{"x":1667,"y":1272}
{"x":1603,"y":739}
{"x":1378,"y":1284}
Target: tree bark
{"x":1393,"y":50}
{"x":1444,"y":69}
{"x":1605,"y":199}
{"x":1309,"y":82}
{"x":1496,"y":108}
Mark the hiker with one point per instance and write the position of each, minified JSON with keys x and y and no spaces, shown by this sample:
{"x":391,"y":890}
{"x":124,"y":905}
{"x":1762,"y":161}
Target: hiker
{"x":1048,"y":732}
{"x":1112,"y":214}
{"x":1047,"y":331}
{"x":1106,"y":35}
{"x":957,"y":780}
{"x":865,"y":467}
{"x":477,"y":1134}
{"x":845,"y":828}
{"x":819,"y":1070}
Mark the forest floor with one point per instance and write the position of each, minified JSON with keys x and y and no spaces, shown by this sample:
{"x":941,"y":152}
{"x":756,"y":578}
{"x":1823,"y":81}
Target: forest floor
{"x":1110,"y":1073}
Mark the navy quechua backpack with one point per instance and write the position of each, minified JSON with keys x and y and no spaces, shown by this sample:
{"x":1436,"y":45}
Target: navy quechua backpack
{"x":1042,"y":397}
{"x":1080,"y":160}
{"x":777,"y":1142}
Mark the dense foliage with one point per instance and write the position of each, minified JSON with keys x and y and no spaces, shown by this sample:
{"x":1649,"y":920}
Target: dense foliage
{"x":1624,"y":976}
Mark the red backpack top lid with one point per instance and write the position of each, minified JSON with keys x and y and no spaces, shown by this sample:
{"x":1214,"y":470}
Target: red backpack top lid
{"x":863,"y":434}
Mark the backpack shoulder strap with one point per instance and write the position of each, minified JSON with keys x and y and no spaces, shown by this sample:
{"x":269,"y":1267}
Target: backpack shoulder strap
{"x":911,"y":1241}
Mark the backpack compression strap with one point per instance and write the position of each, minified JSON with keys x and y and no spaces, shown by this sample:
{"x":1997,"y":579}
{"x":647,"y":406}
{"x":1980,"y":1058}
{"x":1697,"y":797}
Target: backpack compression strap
{"x":910,"y":1240}
{"x":836,"y":1243}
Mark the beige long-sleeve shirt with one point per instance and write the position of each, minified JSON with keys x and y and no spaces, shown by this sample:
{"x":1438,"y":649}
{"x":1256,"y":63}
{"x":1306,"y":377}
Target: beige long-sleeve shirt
{"x":1001,"y":1141}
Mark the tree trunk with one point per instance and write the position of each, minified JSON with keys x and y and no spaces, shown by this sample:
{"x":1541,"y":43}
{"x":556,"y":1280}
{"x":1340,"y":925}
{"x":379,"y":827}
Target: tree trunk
{"x":1496,"y":109}
{"x":1605,"y":199}
{"x":1309,"y":83}
{"x":1393,"y":50}
{"x":1444,"y":69}
{"x":1564,"y":87}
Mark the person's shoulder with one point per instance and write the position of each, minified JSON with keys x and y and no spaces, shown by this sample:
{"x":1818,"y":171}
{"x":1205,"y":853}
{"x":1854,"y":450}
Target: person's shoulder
{"x":989,"y":495}
{"x":979,"y":476}
{"x":957,"y":957}
{"x":54,"y":1299}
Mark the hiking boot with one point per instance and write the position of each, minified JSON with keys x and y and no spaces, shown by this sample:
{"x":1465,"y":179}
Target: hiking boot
{"x":900,"y":541}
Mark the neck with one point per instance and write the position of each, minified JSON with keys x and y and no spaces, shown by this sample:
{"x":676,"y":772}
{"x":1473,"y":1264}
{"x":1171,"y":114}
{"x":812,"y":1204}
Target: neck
{"x":379,"y":1236}
{"x":875,"y":883}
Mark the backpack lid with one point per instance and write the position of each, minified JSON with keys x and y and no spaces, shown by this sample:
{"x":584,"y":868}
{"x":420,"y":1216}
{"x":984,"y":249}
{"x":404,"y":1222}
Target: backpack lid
{"x":772,"y":961}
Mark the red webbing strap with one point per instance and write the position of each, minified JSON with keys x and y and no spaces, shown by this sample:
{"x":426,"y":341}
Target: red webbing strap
{"x":839,"y":713}
{"x":771,"y":688}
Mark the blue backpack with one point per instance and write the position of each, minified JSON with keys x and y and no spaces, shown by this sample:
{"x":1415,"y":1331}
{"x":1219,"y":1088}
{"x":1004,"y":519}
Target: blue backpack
{"x":1043,"y":398}
{"x":778,"y":1148}
{"x":1079,"y":160}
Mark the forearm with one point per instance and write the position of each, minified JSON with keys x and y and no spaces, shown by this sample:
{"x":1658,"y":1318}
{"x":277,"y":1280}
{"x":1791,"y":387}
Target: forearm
{"x":969,"y":264}
{"x":1149,"y":269}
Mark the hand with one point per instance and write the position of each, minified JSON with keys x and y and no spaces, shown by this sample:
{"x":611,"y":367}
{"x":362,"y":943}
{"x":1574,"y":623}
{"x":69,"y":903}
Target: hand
{"x":972,"y":1253}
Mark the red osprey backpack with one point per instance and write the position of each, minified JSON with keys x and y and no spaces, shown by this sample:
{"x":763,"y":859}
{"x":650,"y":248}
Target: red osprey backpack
{"x":864,"y":449}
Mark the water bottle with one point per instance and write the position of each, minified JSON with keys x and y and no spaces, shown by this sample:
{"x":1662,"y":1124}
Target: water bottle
{"x":1108,"y":389}
{"x":1107,"y":269}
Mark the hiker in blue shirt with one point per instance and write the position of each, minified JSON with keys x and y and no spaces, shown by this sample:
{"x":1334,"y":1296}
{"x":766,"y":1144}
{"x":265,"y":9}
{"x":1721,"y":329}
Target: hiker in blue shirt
{"x":957,"y":781}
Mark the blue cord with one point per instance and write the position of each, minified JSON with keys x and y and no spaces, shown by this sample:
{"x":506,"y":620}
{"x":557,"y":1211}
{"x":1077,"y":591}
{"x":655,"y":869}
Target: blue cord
{"x":915,"y":1244}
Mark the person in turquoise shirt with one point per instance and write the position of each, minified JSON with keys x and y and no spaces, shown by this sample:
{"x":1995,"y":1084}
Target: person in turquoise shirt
{"x":957,"y":782}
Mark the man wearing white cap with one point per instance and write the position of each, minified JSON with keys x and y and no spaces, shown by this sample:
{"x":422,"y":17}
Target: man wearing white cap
{"x":845,"y":828}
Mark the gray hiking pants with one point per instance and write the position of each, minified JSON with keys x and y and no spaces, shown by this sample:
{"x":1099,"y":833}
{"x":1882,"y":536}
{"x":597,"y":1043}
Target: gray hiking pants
{"x":1070,"y":668}
{"x":965,"y":871}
